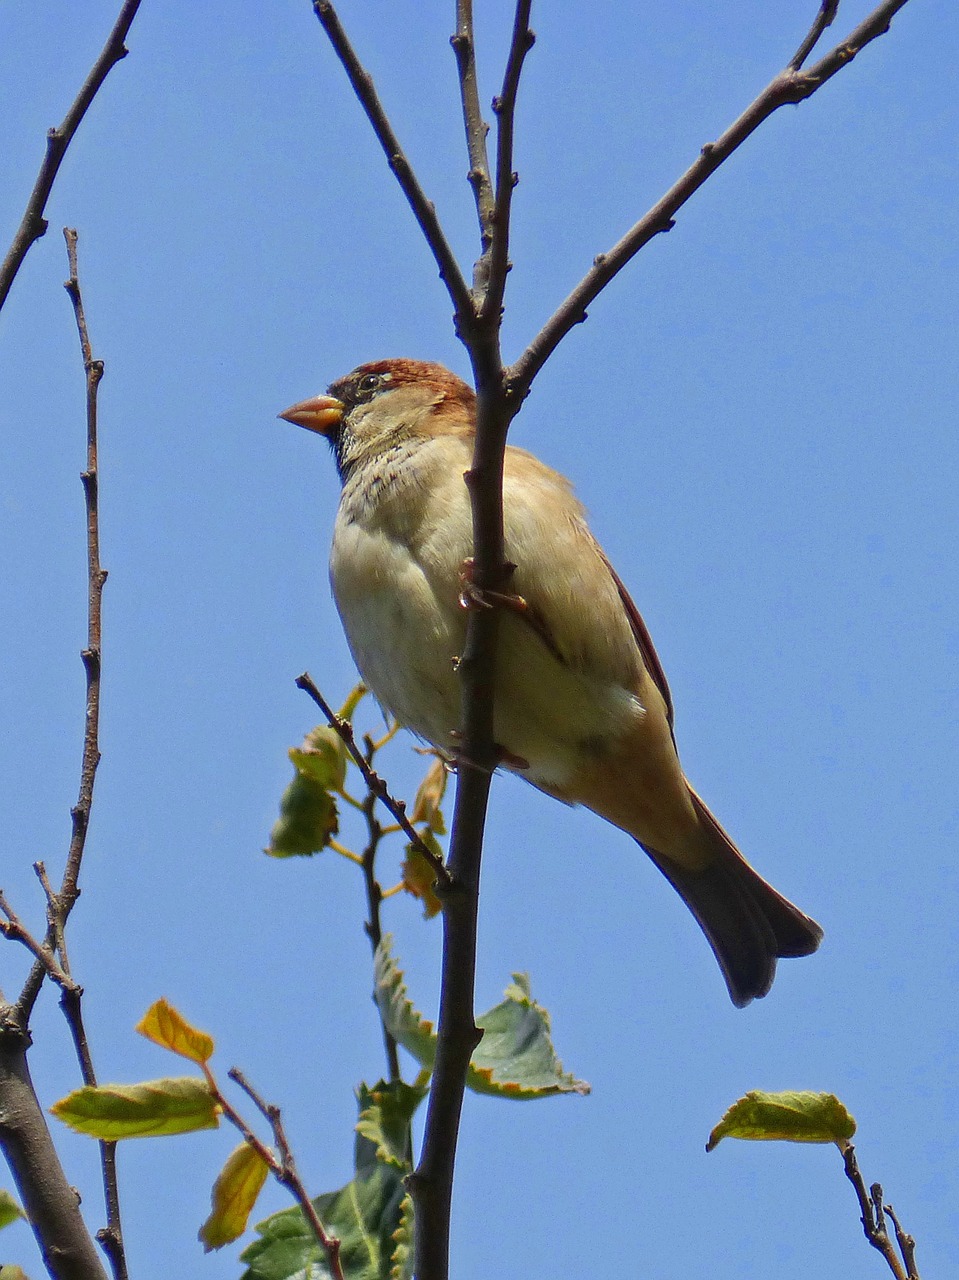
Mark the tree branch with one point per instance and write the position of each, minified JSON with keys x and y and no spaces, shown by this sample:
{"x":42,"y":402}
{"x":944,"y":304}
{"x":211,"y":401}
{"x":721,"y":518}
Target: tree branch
{"x":423,"y":210}
{"x":283,"y":1168}
{"x":476,"y":133}
{"x":33,"y":224}
{"x":873,"y":1222}
{"x":49,"y":1201}
{"x":505,"y":108}
{"x":791,"y":86}
{"x":374,"y":782}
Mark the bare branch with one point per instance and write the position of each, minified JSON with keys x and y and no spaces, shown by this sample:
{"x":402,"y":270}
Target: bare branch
{"x":49,"y":1201}
{"x":505,"y":108}
{"x":824,"y":18}
{"x":476,"y":132}
{"x":790,"y":86}
{"x":873,"y":1223}
{"x":423,"y":209}
{"x":33,"y":224}
{"x":372,"y":779}
{"x":283,"y":1167}
{"x":14,"y":930}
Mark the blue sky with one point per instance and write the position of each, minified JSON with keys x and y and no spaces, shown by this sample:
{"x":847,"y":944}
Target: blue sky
{"x":760,"y":415}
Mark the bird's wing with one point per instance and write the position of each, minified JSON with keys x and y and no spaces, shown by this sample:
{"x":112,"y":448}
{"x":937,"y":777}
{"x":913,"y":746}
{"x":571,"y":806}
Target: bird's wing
{"x":643,"y":639}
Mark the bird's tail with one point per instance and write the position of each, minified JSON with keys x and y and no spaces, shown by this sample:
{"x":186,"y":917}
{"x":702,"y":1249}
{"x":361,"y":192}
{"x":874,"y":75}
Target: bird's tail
{"x":747,"y":923}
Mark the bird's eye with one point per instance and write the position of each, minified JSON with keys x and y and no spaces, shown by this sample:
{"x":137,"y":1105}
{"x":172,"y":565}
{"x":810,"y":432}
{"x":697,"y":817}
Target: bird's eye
{"x":369,"y":383}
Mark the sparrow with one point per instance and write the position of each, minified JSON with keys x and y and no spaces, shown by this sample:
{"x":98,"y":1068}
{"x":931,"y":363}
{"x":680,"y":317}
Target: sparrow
{"x":582,"y":709}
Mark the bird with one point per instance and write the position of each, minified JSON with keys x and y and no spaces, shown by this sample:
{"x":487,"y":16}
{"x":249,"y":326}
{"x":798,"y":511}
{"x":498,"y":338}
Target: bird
{"x":582,"y":709}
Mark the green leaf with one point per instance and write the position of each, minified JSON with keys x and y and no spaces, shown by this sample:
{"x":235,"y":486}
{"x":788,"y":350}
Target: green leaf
{"x":10,"y":1211}
{"x":402,"y":1268}
{"x":515,"y":1058}
{"x":788,"y":1117}
{"x":386,"y":1111}
{"x":322,"y":757}
{"x":308,"y":815}
{"x":235,"y":1193}
{"x":168,"y":1028}
{"x":407,"y":1026}
{"x":12,"y":1272}
{"x":364,"y":1216}
{"x":155,"y":1108}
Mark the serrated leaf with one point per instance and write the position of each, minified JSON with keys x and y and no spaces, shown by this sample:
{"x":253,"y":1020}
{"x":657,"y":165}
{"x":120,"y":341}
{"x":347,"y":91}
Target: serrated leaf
{"x":10,"y":1211}
{"x":405,"y":1024}
{"x":167,"y":1027}
{"x":402,"y":1268}
{"x":429,"y":797}
{"x":515,"y":1058}
{"x":386,"y":1111}
{"x":308,"y":819}
{"x":234,"y":1194}
{"x":155,"y":1108}
{"x":419,"y":877}
{"x":787,"y":1117}
{"x":364,"y":1216}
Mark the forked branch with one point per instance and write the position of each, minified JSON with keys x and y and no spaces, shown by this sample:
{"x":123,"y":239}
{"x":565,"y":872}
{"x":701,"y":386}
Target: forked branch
{"x":792,"y":85}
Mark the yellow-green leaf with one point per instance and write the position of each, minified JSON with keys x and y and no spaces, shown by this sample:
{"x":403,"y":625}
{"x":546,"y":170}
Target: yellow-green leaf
{"x":357,"y":693}
{"x":10,"y":1211}
{"x":155,"y":1108}
{"x":787,"y":1117}
{"x":234,"y":1195}
{"x":429,"y":797}
{"x":12,"y":1272}
{"x":419,"y":876}
{"x":166,"y":1027}
{"x":322,"y":757}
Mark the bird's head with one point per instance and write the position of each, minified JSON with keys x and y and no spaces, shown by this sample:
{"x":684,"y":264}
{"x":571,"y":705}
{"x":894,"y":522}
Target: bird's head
{"x":385,"y":404}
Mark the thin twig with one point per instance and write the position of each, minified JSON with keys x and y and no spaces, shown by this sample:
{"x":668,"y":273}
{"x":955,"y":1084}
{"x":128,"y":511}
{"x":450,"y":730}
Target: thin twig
{"x":372,"y":779}
{"x":873,"y":1224}
{"x":824,"y":18}
{"x":33,"y":224}
{"x":423,"y":209}
{"x":14,"y":930}
{"x":476,"y":132}
{"x":111,"y":1236}
{"x":283,"y":1168}
{"x":505,"y":109}
{"x":374,"y":896}
{"x":790,"y":86}
{"x":906,"y":1242}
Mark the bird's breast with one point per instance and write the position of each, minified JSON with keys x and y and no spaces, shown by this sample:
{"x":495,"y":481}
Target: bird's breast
{"x":399,"y":546}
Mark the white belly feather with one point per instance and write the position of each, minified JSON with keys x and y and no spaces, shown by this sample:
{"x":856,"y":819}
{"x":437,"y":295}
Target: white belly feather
{"x":396,"y":584}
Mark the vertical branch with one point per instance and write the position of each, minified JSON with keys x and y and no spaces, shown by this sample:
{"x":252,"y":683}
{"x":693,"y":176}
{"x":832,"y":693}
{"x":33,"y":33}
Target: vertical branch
{"x":476,"y":132}
{"x":49,"y":1201}
{"x":33,"y":224}
{"x":505,"y":108}
{"x":873,"y":1220}
{"x":60,"y":904}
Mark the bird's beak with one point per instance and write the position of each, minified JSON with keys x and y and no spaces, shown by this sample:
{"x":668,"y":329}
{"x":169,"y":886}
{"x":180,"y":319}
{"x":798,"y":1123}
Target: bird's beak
{"x":322,"y":414}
